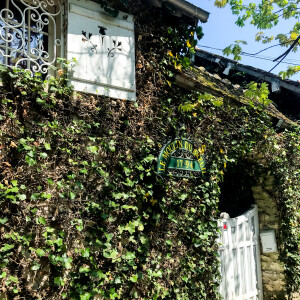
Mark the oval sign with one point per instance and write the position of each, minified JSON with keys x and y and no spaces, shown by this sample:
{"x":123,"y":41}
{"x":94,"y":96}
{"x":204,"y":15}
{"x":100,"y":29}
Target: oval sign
{"x":166,"y":161}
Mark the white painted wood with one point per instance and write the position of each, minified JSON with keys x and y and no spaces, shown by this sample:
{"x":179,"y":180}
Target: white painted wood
{"x":106,"y":57}
{"x":240,"y":257}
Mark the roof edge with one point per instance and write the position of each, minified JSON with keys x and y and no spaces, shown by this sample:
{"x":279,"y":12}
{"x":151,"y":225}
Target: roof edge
{"x":189,"y":9}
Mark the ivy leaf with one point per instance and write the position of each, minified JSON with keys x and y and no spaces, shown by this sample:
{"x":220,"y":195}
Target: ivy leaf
{"x":134,"y":278}
{"x":80,"y":225}
{"x":118,"y":280}
{"x":72,"y":195}
{"x":59,"y":281}
{"x":22,"y":196}
{"x":42,"y":220}
{"x":40,"y":252}
{"x":109,"y":236}
{"x":93,"y":149}
{"x":7,"y":247}
{"x":169,"y":242}
{"x":84,"y":269}
{"x":35,"y":267}
{"x":110,"y":253}
{"x":85,"y":296}
{"x":144,"y":240}
{"x":30,"y":160}
{"x":149,"y":158}
{"x":129,"y":255}
{"x":130,"y":227}
{"x":3,"y":221}
{"x":47,"y":146}
{"x":43,"y":155}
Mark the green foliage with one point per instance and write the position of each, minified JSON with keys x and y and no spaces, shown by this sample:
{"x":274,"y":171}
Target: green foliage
{"x":266,"y":15}
{"x":258,"y":94}
{"x":287,"y":165}
{"x":80,"y":200}
{"x":292,"y":70}
{"x":180,"y":44}
{"x":235,"y":50}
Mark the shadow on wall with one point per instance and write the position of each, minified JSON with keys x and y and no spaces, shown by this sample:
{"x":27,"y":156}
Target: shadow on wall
{"x":236,"y":190}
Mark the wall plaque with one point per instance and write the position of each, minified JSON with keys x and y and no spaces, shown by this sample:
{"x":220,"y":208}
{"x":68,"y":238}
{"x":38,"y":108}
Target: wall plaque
{"x":181,"y":158}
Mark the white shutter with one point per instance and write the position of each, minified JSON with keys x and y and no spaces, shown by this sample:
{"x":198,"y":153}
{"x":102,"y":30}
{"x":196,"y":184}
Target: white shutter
{"x":104,"y":49}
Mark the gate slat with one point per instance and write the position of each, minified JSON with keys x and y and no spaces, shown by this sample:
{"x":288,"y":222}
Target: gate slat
{"x":240,"y":257}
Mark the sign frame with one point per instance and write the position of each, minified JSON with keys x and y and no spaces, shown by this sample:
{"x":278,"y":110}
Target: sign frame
{"x":167,"y":161}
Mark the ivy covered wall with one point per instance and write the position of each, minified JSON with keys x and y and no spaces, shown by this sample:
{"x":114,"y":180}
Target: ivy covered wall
{"x":83,"y":213}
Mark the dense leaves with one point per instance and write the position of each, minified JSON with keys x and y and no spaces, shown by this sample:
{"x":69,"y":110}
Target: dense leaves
{"x":266,"y":15}
{"x":83,"y":213}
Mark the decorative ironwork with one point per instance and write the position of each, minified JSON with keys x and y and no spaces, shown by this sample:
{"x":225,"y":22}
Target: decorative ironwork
{"x":28,"y":34}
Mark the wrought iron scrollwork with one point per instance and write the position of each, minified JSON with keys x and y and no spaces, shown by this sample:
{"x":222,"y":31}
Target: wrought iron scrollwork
{"x":22,"y":34}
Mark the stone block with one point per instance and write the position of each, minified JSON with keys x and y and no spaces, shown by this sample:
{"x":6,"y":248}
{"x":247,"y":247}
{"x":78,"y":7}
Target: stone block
{"x":272,"y":276}
{"x":257,"y":189}
{"x":269,"y":287}
{"x":277,"y":267}
{"x":265,"y":258}
{"x":274,"y":256}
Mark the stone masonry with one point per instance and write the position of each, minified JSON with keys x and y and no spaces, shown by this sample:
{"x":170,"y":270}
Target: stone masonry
{"x":272,"y":269}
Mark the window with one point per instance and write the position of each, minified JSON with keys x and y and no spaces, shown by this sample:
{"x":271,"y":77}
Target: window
{"x":28,"y":33}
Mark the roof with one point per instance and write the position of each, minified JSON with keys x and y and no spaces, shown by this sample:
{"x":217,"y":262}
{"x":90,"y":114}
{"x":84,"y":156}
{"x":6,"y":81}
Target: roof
{"x":198,"y":79}
{"x":284,"y":93}
{"x":259,"y":73}
{"x":180,"y":7}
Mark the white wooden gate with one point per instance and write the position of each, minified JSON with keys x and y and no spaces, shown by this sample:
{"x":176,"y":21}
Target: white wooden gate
{"x":240,"y":257}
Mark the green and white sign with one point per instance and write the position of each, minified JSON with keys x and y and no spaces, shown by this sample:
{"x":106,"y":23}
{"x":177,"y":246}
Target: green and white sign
{"x":167,"y":161}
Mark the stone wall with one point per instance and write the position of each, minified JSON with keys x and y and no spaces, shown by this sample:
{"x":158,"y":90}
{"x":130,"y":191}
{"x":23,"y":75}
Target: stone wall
{"x":272,"y":269}
{"x":296,"y":296}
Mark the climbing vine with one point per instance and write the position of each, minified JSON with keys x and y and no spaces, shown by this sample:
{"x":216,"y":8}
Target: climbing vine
{"x":83,"y":213}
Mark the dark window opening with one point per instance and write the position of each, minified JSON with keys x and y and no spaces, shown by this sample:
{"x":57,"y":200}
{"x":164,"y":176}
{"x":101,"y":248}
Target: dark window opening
{"x":236,"y":190}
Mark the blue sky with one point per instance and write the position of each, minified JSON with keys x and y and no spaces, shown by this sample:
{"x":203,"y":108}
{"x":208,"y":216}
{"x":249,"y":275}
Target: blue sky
{"x":220,"y":31}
